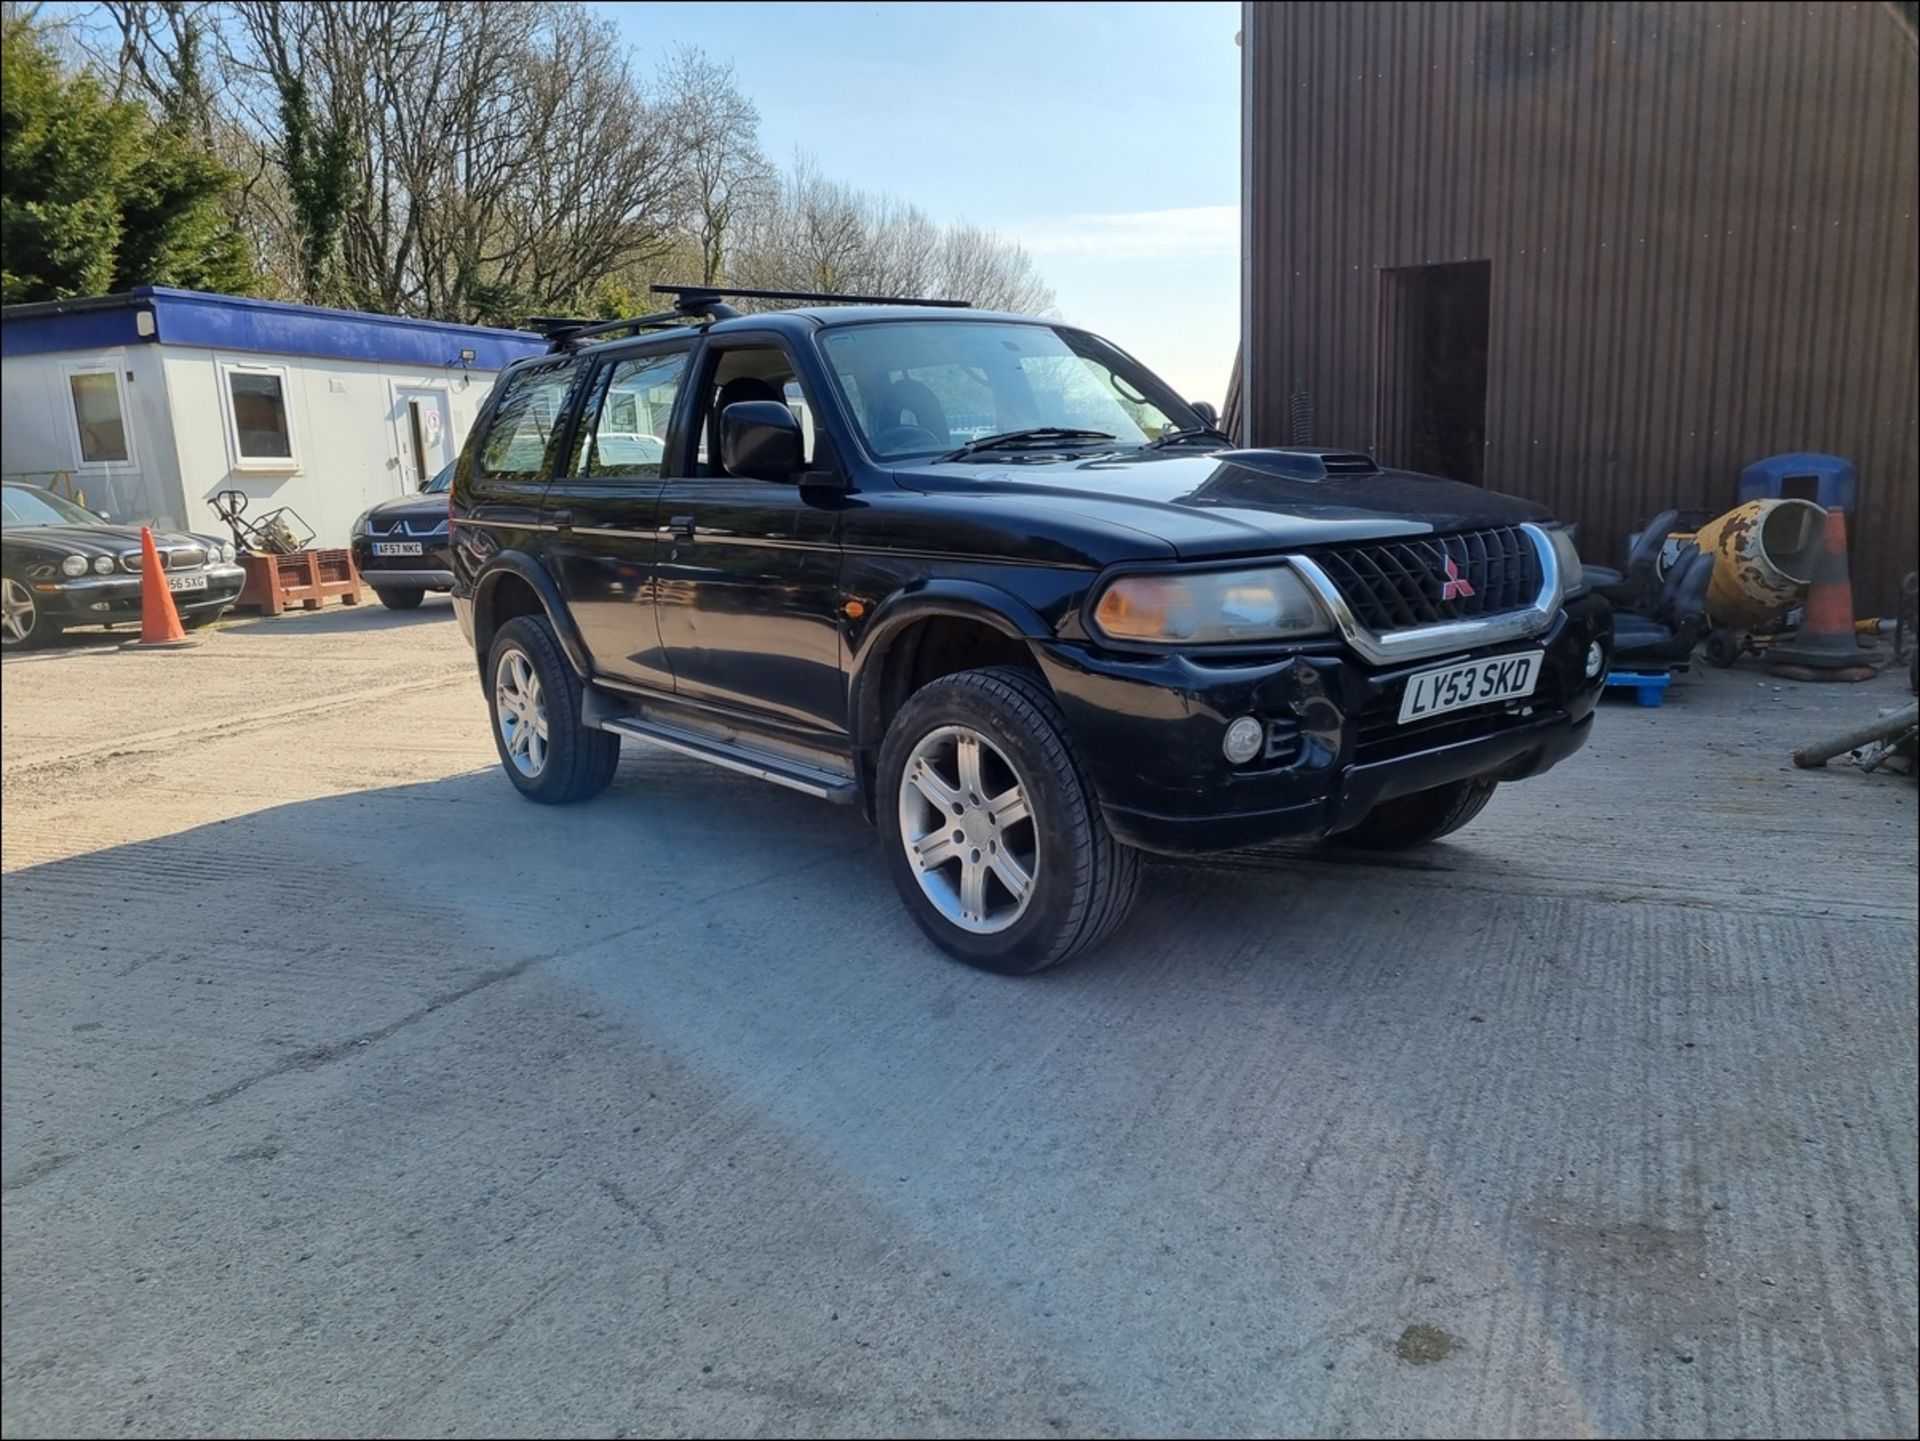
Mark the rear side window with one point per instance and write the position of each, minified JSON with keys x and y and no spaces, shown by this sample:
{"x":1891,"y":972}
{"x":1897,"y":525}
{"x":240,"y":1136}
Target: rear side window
{"x":526,"y":422}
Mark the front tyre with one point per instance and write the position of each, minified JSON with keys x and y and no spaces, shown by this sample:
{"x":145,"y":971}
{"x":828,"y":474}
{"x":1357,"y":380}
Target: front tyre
{"x":1424,"y":816}
{"x":534,"y":698}
{"x":992,"y":834}
{"x":400,"y":597}
{"x":22,"y":623}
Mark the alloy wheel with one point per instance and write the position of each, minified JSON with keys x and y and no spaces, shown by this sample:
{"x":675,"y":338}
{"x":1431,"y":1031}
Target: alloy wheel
{"x":521,"y":713}
{"x":18,"y":615}
{"x":966,"y":820}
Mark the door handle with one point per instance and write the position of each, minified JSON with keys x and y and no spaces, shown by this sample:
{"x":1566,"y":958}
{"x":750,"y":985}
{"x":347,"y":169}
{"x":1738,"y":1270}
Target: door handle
{"x":680,"y":527}
{"x":562,"y":519}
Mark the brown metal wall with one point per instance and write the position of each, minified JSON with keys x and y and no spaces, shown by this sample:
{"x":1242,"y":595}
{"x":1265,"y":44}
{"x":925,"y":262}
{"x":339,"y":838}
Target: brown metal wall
{"x":1700,"y":219}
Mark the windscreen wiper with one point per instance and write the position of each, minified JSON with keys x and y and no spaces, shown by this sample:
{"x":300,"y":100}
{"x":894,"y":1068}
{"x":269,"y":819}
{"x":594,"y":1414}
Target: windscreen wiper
{"x":1193,"y":432}
{"x":1021,"y":437}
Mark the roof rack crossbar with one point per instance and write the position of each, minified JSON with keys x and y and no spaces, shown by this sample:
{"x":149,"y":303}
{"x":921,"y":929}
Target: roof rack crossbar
{"x":692,"y":293}
{"x":694,"y":304}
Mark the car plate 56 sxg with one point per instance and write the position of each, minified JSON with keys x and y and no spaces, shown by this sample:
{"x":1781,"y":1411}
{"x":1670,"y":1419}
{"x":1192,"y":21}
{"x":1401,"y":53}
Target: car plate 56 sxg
{"x":186,"y":582}
{"x":1455,"y":687}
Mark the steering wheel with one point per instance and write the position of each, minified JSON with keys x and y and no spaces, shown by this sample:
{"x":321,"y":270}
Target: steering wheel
{"x":896,"y":439}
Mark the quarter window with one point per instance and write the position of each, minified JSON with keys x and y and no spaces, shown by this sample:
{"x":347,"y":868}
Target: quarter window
{"x":98,"y":419}
{"x":531,"y":410}
{"x":258,"y":416}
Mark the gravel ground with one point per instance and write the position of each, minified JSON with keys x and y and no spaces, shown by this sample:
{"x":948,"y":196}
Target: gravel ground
{"x":344,"y":1091}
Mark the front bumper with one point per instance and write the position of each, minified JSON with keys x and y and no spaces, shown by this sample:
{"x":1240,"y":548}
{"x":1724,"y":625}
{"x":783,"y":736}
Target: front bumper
{"x":115,"y":599}
{"x":1149,"y":729}
{"x":432,"y":569}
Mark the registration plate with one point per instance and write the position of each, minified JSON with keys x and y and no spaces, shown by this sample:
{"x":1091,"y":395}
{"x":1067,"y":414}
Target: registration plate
{"x":186,"y":582}
{"x":1477,"y":682}
{"x":396,"y":547}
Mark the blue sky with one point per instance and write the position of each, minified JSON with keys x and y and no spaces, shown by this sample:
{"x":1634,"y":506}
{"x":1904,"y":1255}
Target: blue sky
{"x":1103,"y":137}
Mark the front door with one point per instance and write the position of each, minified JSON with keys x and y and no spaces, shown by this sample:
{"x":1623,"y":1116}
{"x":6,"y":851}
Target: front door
{"x":749,"y":570}
{"x":423,"y":433}
{"x":602,"y":504}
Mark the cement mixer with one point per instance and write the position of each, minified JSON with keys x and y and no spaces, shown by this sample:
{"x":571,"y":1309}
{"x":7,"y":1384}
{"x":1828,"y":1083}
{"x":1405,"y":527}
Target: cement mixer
{"x":1763,"y":555}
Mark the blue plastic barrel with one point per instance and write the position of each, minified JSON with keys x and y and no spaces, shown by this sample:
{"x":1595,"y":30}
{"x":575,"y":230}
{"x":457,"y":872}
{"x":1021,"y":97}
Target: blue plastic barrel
{"x":1826,"y":480}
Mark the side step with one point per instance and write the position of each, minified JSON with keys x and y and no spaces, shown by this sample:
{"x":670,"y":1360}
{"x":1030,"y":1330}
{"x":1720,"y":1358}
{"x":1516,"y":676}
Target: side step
{"x":782,"y":771}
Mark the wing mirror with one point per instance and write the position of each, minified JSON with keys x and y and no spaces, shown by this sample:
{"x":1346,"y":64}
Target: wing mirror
{"x":760,"y":440}
{"x":1204,"y":409}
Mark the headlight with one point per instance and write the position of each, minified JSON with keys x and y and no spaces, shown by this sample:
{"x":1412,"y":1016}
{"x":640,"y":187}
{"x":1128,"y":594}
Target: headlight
{"x":360,"y":522}
{"x":1573,"y":578}
{"x":103,"y":565}
{"x":74,"y":565}
{"x":1209,"y":607}
{"x":225,"y":548}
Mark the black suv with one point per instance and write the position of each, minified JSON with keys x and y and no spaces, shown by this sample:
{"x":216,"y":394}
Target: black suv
{"x":988,"y":578}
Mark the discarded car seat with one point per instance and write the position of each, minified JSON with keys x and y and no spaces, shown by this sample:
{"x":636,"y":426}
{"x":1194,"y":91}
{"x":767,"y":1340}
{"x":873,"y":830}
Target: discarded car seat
{"x":1666,"y":631}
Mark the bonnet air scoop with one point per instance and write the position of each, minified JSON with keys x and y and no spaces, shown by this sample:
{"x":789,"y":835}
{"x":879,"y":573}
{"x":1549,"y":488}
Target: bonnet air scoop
{"x":1299,"y":462}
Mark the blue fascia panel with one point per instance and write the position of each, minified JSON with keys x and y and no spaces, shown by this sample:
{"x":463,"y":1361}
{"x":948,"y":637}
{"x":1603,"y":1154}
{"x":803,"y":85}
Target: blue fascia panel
{"x":267,"y":327}
{"x":86,"y":330}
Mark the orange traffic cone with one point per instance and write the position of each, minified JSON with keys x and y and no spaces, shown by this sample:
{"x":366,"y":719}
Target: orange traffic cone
{"x":1824,"y":648}
{"x":159,"y":621}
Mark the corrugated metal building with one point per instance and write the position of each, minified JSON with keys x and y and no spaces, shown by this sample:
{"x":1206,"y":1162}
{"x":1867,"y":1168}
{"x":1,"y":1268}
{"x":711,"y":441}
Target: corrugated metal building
{"x":1601,"y":254}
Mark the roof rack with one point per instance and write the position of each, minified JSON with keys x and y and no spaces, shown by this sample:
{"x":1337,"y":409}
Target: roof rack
{"x":695,"y":305}
{"x":701,"y":294}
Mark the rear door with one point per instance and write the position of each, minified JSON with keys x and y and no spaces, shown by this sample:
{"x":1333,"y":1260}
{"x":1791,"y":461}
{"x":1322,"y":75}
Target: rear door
{"x":602,"y":505}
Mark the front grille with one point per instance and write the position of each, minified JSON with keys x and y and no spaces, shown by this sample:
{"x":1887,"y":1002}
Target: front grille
{"x":1392,"y":585}
{"x":409,"y":529}
{"x":179,"y":557}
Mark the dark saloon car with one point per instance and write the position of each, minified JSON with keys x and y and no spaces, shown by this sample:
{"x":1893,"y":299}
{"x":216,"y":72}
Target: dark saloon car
{"x":401,"y":545}
{"x":61,"y":566}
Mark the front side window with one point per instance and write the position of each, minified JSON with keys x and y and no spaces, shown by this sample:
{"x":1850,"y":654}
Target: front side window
{"x":918,"y":388}
{"x":97,"y":417}
{"x":749,"y":372}
{"x":628,"y":438}
{"x":262,"y":430}
{"x":522,"y":433}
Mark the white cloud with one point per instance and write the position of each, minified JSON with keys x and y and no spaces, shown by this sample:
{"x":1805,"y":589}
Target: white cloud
{"x":1197,"y":230}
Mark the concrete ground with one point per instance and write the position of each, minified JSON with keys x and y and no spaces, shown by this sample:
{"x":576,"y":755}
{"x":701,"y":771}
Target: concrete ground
{"x":347,"y":1092}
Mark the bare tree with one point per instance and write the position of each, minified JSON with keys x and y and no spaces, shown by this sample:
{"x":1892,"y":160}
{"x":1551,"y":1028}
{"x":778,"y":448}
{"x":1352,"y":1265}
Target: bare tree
{"x":812,"y":233}
{"x":486,"y":161}
{"x":725,"y":172}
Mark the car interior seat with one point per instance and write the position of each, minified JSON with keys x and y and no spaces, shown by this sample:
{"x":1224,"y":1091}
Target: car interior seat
{"x":1666,"y":633}
{"x":907,"y":404}
{"x":741,"y":387}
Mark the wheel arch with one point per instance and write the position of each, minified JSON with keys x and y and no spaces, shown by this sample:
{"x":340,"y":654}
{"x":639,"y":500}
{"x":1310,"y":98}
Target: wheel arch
{"x":1004,"y":628}
{"x":514,"y":584}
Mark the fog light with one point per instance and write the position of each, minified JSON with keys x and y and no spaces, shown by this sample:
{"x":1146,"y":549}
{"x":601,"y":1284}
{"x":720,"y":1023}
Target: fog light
{"x":1596,"y":658}
{"x":1242,"y":741}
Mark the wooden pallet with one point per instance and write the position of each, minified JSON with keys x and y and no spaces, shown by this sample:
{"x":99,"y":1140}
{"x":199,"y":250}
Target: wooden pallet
{"x":1648,"y":687}
{"x":306,"y":578}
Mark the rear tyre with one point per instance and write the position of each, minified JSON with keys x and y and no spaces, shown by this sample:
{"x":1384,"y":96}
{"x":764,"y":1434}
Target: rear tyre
{"x":992,"y":834}
{"x":1424,"y":816}
{"x":400,"y":597}
{"x":533,"y":697}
